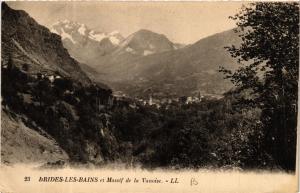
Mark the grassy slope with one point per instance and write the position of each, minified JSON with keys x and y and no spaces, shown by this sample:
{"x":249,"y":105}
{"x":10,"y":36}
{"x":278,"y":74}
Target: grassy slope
{"x":20,"y":144}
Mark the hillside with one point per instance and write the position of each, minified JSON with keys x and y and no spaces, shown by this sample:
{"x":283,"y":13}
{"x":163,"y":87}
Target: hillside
{"x":35,"y":48}
{"x":50,"y":108}
{"x":21,"y":144}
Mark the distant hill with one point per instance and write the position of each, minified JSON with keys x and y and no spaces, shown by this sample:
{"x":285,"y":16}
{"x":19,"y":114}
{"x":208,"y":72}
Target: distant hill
{"x":145,"y":42}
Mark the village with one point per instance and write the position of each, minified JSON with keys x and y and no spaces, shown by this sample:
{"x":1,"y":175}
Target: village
{"x":158,"y":102}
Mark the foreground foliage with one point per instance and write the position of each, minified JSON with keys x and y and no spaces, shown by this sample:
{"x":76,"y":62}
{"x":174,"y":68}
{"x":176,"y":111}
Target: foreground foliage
{"x":269,"y":71}
{"x":91,"y":129}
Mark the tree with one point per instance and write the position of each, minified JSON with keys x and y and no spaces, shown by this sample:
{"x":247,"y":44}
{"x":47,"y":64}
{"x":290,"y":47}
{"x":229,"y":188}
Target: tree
{"x":268,"y":58}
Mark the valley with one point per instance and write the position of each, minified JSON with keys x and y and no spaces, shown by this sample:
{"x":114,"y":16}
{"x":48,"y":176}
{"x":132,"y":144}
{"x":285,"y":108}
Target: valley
{"x":146,"y":63}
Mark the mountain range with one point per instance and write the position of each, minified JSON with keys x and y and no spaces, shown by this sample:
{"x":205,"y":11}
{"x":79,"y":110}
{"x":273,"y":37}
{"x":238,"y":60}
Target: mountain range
{"x":99,"y":46}
{"x":77,"y":37}
{"x":142,"y":64}
{"x":147,"y":63}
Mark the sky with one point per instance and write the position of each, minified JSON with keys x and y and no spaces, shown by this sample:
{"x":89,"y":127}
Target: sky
{"x":181,"y":22}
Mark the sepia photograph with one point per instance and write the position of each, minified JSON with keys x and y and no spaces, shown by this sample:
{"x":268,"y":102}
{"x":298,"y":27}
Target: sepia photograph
{"x":141,"y":96}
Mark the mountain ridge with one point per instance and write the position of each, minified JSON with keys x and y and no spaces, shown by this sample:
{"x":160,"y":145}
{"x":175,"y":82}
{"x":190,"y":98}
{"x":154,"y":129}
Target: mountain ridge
{"x":77,"y":37}
{"x":41,"y":50}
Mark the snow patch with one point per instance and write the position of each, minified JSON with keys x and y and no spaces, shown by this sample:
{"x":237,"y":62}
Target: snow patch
{"x":130,"y":50}
{"x":147,"y":52}
{"x":54,"y":31}
{"x":65,"y":35}
{"x":68,"y":26}
{"x":114,"y":40}
{"x":66,"y":21}
{"x":57,"y":23}
{"x":82,"y":29}
{"x":97,"y":37}
{"x":114,"y":33}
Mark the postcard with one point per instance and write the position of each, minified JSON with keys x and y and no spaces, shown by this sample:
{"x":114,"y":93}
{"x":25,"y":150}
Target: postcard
{"x":149,"y":96}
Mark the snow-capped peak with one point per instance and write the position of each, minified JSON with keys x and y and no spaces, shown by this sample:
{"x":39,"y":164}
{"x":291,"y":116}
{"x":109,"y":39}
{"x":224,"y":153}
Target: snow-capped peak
{"x":97,"y":36}
{"x":65,"y":35}
{"x":54,"y":31}
{"x":77,"y":31}
{"x":114,"y":40}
